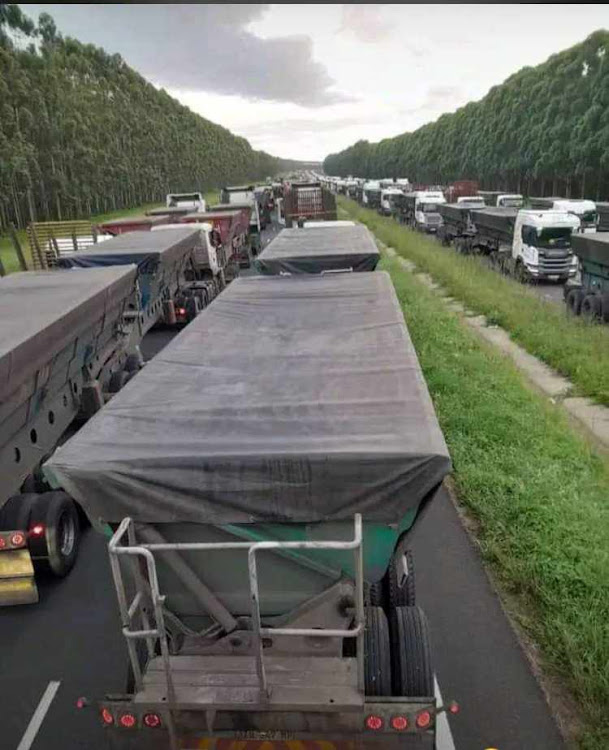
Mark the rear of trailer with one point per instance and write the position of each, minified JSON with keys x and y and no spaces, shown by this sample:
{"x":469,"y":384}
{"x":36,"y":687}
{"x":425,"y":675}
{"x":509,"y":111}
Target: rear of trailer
{"x":259,"y":507}
{"x":308,"y":200}
{"x":320,"y":250}
{"x":589,"y":296}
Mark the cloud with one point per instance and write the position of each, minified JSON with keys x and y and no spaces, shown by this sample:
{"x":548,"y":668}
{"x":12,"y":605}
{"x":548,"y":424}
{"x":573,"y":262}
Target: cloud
{"x":443,"y":98}
{"x":203,"y":47}
{"x":366,"y":22}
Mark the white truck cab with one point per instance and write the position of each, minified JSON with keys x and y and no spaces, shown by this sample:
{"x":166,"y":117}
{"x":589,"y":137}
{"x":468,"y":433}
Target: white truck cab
{"x":471,"y":201}
{"x":193,"y":201}
{"x":584,"y":209}
{"x":371,"y":189}
{"x":387,"y":198}
{"x":426,"y":214}
{"x":510,"y":200}
{"x":542,"y":243}
{"x":204,"y":255}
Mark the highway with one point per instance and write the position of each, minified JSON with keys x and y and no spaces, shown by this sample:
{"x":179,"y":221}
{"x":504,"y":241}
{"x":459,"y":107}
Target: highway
{"x":72,"y":637}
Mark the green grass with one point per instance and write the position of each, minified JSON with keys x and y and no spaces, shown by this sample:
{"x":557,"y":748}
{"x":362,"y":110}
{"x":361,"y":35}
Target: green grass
{"x":538,"y":493}
{"x":577,"y":349}
{"x":9,"y":257}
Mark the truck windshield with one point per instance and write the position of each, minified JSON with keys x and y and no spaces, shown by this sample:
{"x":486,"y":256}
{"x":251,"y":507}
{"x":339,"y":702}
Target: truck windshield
{"x":184,"y":198}
{"x":512,"y":202}
{"x":554,"y":237}
{"x":588,"y":217}
{"x":428,"y":208}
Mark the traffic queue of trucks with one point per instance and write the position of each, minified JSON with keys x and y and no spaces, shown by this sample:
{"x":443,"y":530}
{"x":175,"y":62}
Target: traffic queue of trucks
{"x":266,"y":606}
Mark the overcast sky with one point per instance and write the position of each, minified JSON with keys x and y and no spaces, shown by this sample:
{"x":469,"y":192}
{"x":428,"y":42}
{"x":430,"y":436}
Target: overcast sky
{"x":303,"y":81}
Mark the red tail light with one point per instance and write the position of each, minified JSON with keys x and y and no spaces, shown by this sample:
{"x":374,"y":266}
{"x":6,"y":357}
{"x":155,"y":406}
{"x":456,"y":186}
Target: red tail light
{"x":454,"y":707}
{"x":181,"y":311}
{"x":399,"y":723}
{"x":374,"y":722}
{"x":18,"y":539}
{"x":127,"y":720}
{"x":423,"y":720}
{"x":153,"y":721}
{"x":37,"y":530}
{"x":107,"y":717}
{"x":2,"y":542}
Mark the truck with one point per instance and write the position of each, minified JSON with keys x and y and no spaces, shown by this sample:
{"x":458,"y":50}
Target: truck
{"x":457,"y":226}
{"x":75,"y":345}
{"x":308,"y":200}
{"x":589,"y":295}
{"x":229,"y":233}
{"x":389,"y":196}
{"x":320,"y":249}
{"x":248,"y":230}
{"x":371,"y":194}
{"x":530,"y":245}
{"x":459,"y":189}
{"x":265,"y":568}
{"x":163,"y":259}
{"x":501,"y":199}
{"x":189,"y":201}
{"x":584,"y":209}
{"x":420,"y":210}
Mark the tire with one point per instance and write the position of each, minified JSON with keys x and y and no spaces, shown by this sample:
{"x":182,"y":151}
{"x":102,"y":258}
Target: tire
{"x":377,"y":653}
{"x":400,"y":589}
{"x":376,"y":595}
{"x":592,"y":308}
{"x":59,"y":515}
{"x":521,"y":273}
{"x":16,"y":512}
{"x":574,"y":300}
{"x":410,"y":646}
{"x":193,"y":308}
{"x":118,"y":380}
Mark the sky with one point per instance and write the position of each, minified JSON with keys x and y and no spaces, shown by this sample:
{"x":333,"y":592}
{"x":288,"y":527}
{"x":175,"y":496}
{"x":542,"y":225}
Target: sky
{"x":303,"y":81}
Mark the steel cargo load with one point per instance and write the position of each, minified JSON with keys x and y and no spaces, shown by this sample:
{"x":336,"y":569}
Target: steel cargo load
{"x":319,"y":249}
{"x":327,"y":416}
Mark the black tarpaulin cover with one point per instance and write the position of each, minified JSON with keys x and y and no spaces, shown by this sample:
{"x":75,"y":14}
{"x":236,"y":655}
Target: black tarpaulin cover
{"x":319,"y":249}
{"x":42,"y":312}
{"x":141,"y":248}
{"x":287,"y":399}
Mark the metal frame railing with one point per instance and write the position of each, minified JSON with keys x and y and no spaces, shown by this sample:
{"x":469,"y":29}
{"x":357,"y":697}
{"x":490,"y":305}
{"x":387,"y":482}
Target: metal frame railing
{"x":150,"y":590}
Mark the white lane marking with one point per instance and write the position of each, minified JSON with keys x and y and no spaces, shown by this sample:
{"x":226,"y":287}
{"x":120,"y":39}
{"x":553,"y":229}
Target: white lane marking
{"x":444,"y":738}
{"x":38,"y":717}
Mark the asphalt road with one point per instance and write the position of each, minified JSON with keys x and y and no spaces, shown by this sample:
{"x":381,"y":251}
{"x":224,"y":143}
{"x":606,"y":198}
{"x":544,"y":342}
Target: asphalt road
{"x":73,"y":636}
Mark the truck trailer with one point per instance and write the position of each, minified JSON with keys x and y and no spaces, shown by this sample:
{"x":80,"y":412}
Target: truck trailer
{"x":585,"y":210}
{"x":67,"y":342}
{"x":256,"y":547}
{"x":319,"y":250}
{"x":457,"y":225}
{"x":308,"y":200}
{"x":589,"y":296}
{"x":248,"y":229}
{"x":530,"y":245}
{"x":163,"y":260}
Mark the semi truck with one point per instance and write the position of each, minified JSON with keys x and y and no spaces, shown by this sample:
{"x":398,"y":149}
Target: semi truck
{"x":457,"y":225}
{"x":228,"y":236}
{"x":584,"y":209}
{"x":261,"y":566}
{"x":499,"y":199}
{"x":239,"y":195}
{"x":320,"y":249}
{"x":68,"y":341}
{"x":248,"y":229}
{"x":589,"y":295}
{"x":389,"y":198}
{"x":308,"y":200}
{"x":530,"y":245}
{"x":419,"y":210}
{"x":371,"y":194}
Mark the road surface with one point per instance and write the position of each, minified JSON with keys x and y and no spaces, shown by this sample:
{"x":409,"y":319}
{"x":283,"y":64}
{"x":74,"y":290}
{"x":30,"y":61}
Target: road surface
{"x":73,"y":637}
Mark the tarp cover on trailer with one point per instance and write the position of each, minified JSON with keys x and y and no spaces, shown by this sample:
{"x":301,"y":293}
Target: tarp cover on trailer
{"x":287,"y":399}
{"x":318,"y":249}
{"x":141,"y":248}
{"x":41,"y":312}
{"x":593,"y":247}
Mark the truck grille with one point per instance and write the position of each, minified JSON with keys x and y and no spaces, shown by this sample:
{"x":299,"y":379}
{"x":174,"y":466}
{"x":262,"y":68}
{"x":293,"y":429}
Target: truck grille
{"x":554,"y":266}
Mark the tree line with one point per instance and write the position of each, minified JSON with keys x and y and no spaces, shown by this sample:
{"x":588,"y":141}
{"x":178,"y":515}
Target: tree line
{"x":545,"y":130}
{"x":83,"y":133}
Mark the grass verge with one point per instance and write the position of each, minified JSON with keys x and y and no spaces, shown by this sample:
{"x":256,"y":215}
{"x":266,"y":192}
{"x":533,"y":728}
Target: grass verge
{"x":9,"y":257}
{"x":537,"y":492}
{"x":576,"y":349}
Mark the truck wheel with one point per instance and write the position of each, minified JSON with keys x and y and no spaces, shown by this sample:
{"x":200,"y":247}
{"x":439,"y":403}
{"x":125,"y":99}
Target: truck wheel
{"x":400,"y":581}
{"x":574,"y":301}
{"x":521,"y":273}
{"x":375,"y":595}
{"x":591,"y":308}
{"x":377,"y":654}
{"x":412,"y":670}
{"x":57,"y":513}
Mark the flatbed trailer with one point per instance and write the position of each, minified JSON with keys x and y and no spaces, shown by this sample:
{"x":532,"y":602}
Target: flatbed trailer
{"x":66,"y":344}
{"x":320,"y":250}
{"x":261,"y":521}
{"x":164,"y":260}
{"x":589,"y":296}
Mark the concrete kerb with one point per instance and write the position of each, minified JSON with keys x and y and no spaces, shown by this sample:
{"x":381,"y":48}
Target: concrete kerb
{"x":589,"y":417}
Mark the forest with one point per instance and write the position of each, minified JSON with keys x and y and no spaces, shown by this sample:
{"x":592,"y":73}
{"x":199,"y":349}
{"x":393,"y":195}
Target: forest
{"x":544,"y":131}
{"x":82,"y":133}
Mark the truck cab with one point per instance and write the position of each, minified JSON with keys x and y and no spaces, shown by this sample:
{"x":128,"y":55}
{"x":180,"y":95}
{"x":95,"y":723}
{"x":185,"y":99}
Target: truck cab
{"x":541,"y":244}
{"x":510,"y":200}
{"x":471,"y":201}
{"x":426,"y":216}
{"x":192,"y":201}
{"x":585,"y":210}
{"x":388,"y":197}
{"x":371,"y":196}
